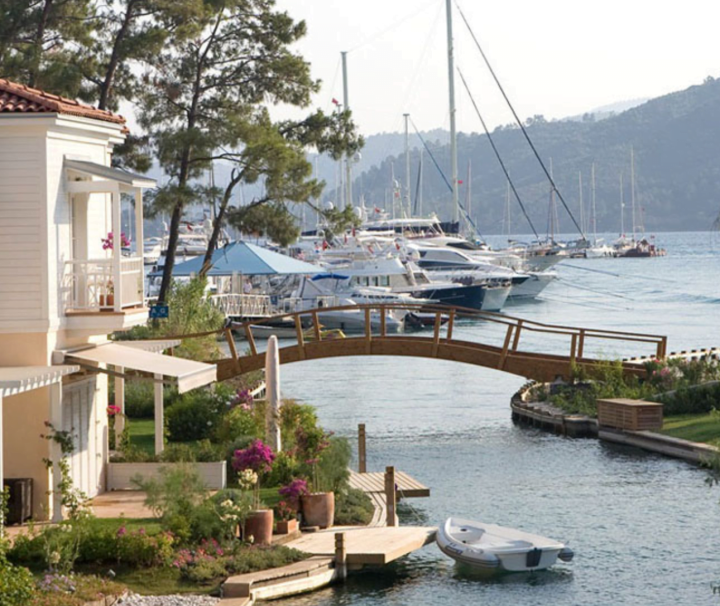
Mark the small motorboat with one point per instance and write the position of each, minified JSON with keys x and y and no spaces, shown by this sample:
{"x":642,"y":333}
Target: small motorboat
{"x":493,"y":547}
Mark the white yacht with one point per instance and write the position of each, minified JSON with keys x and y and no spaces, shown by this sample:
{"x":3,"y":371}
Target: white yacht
{"x":458,"y":266}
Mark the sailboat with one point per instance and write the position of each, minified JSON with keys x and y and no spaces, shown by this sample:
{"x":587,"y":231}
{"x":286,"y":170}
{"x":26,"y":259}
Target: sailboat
{"x":597,"y":249}
{"x":642,"y":247}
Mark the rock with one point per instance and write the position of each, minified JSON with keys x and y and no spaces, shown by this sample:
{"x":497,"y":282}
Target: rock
{"x":167,"y":600}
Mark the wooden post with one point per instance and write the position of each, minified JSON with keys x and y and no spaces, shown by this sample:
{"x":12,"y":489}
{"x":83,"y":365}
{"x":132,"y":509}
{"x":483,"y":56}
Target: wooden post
{"x":368,"y":331}
{"x":450,"y":324}
{"x":231,"y":344}
{"x":340,"y":555}
{"x":362,"y":453}
{"x":516,"y":340}
{"x":573,"y":349}
{"x":506,"y":346}
{"x":390,"y":496}
{"x":316,"y":326}
{"x":250,"y":338}
{"x":300,"y":338}
{"x":436,"y":335}
{"x":581,"y":343}
{"x":159,"y":415}
{"x":383,"y":327}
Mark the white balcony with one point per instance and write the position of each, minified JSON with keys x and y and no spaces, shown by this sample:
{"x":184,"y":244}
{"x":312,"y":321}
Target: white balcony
{"x":94,"y":297}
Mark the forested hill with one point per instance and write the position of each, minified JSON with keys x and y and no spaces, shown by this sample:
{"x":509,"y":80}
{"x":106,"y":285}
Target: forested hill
{"x":676,"y":141}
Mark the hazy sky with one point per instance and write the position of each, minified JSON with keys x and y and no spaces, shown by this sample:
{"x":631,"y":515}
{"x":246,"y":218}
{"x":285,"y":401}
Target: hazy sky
{"x":556,"y":57}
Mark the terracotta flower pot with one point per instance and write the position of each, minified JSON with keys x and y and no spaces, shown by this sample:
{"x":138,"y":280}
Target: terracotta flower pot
{"x":107,"y":301}
{"x":259,"y":526}
{"x":286,"y":526}
{"x":318,"y":509}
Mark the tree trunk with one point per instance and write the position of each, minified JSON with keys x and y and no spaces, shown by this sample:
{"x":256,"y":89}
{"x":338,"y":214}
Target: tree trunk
{"x":217,"y":226}
{"x":170,"y":254}
{"x":38,"y":44}
{"x":107,"y":84}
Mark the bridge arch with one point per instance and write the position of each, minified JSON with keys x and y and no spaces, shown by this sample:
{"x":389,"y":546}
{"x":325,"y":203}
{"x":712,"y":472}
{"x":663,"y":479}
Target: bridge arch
{"x":507,"y":356}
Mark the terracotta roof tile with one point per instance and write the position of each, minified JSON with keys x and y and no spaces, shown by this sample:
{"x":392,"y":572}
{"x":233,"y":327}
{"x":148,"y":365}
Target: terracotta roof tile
{"x":20,"y":98}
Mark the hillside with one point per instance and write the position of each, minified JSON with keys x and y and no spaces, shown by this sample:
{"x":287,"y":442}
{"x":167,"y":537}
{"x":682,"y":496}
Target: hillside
{"x":676,"y":139}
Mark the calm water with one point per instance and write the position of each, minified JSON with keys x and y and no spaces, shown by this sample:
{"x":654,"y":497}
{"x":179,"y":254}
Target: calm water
{"x":645,"y":528}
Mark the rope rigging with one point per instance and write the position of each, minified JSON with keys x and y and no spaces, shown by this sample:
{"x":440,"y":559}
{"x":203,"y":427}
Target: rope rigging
{"x":519,"y":122}
{"x":497,"y":155}
{"x":442,"y":174}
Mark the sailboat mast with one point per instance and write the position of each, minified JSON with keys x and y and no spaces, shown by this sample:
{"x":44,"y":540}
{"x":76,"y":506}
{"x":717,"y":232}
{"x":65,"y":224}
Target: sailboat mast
{"x":594,"y":209}
{"x":468,"y":198}
{"x":348,"y":160}
{"x":453,"y":133}
{"x":553,"y":214}
{"x":582,"y":204}
{"x":632,"y":188}
{"x":622,"y":206}
{"x":507,"y":209}
{"x":408,"y":200}
{"x":420,"y":185}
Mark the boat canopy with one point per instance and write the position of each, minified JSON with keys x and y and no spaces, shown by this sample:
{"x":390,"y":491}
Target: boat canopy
{"x":247,"y":259}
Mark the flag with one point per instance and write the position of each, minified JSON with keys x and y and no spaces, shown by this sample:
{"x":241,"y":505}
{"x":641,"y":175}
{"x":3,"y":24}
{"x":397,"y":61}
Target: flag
{"x":377,"y":210}
{"x":335,"y":101}
{"x":460,"y":182}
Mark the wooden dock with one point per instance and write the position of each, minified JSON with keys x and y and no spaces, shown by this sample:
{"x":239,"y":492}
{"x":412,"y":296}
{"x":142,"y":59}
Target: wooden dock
{"x":374,"y":483}
{"x":367,"y":546}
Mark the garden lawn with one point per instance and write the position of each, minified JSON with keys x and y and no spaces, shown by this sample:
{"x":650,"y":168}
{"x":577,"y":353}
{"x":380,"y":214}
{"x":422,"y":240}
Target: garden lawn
{"x":696,"y":428}
{"x":142,"y":434}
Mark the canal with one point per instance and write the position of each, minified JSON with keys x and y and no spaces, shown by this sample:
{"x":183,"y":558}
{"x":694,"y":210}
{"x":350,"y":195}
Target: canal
{"x":644,"y":527}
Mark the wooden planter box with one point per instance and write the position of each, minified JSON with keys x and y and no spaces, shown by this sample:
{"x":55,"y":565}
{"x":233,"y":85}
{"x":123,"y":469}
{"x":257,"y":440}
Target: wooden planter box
{"x":120,"y":475}
{"x":631,"y":415}
{"x":286,"y":526}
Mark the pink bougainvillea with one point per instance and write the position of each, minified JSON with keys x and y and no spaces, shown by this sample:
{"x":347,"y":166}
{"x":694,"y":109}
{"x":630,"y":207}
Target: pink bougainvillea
{"x":258,"y":456}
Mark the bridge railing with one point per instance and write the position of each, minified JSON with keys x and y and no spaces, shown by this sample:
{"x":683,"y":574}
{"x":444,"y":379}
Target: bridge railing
{"x":443,"y":326}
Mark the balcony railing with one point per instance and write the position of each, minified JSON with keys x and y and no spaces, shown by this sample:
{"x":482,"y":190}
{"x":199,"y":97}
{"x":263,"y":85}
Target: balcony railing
{"x":242,"y":306}
{"x":89,"y":285}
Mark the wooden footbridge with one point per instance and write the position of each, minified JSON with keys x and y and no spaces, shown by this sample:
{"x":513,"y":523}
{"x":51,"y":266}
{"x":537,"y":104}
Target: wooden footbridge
{"x":509,"y":354}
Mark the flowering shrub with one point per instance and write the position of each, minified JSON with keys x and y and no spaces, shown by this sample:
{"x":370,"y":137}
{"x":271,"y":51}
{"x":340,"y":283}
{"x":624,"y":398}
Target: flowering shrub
{"x":284,"y":512}
{"x":258,"y":457}
{"x":243,"y":398}
{"x":293,"y":491}
{"x":137,"y":548}
{"x":108,"y":244}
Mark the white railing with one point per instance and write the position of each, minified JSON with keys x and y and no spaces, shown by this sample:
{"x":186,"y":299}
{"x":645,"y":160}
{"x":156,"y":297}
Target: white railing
{"x":243,"y":306}
{"x":296,"y":304}
{"x":89,"y":285}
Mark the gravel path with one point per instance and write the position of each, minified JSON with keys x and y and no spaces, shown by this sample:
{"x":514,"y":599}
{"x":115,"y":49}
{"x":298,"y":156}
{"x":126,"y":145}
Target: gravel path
{"x":168,"y":600}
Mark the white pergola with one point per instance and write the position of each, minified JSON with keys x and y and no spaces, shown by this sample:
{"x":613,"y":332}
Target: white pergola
{"x":15,"y":380}
{"x":145,"y":357}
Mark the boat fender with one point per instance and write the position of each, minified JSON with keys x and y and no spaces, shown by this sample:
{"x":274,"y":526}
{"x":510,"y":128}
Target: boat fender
{"x":566,"y":554}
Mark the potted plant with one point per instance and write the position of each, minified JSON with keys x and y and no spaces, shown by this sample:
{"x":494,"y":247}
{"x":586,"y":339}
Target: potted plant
{"x":287,"y":509}
{"x":252,"y":462}
{"x":318,"y":507}
{"x":287,"y":521}
{"x":107,"y":300}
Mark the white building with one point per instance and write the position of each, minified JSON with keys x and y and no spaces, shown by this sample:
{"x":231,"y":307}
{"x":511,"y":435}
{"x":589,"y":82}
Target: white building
{"x":62,"y":292}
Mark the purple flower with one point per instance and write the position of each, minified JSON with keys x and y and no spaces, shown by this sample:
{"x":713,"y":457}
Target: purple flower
{"x":258,"y":456}
{"x":293,"y":491}
{"x":122,"y":531}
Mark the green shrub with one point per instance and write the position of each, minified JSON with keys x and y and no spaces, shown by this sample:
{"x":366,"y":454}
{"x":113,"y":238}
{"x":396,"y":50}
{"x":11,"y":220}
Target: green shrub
{"x":333,"y":467}
{"x":285,"y":468}
{"x":202,"y":452}
{"x":138,"y":549}
{"x":353,"y":508}
{"x":242,"y":423}
{"x":254,"y":558}
{"x":691,"y":400}
{"x":195,"y":416}
{"x":17,"y":586}
{"x":294,"y":416}
{"x":98,"y":546}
